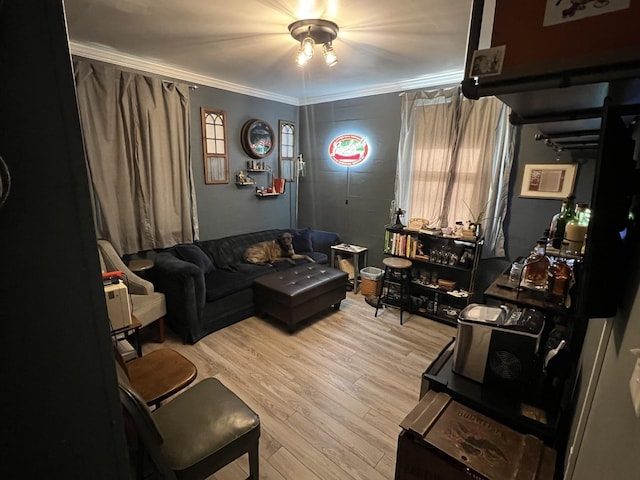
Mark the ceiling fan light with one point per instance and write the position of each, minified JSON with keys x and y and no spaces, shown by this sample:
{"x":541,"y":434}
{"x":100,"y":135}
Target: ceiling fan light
{"x":330,"y":56}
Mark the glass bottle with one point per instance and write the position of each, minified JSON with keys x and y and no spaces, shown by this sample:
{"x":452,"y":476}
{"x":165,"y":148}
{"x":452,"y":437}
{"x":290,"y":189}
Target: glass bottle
{"x":554,"y":221}
{"x":576,"y":229}
{"x":536,"y":267}
{"x":560,"y":274}
{"x":567,"y":214}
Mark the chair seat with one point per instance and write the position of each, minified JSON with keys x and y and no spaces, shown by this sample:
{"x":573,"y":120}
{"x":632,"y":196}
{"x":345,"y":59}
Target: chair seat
{"x":148,"y":308}
{"x":159,"y":374}
{"x":194,"y":429}
{"x":395,"y":262}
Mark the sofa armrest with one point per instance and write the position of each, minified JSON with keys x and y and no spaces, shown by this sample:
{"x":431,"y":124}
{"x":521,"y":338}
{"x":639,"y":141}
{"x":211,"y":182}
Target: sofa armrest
{"x":323,"y":240}
{"x":184,"y":288}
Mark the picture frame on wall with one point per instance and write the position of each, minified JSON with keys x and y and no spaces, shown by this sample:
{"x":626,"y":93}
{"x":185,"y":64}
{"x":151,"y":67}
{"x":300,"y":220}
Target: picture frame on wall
{"x":214,"y":146}
{"x":257,"y":138}
{"x":287,"y":150}
{"x":552,"y":180}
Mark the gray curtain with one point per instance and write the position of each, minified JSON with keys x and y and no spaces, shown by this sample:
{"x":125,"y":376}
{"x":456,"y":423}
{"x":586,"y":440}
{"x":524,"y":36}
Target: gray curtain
{"x":136,"y":133}
{"x":454,"y":161}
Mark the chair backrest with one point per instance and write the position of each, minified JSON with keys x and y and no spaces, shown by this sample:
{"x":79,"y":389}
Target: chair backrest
{"x":110,"y":260}
{"x":143,"y":423}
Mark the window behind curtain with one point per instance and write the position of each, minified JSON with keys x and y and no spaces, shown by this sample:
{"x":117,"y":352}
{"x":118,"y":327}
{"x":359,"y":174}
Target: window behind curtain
{"x":453,"y":158}
{"x":136,"y":134}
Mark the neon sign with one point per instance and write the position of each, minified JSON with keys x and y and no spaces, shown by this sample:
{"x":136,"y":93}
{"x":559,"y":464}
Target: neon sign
{"x":349,"y":150}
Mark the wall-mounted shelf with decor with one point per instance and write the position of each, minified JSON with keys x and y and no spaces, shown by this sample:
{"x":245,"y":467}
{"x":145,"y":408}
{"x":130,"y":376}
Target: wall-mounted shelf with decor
{"x":245,"y":184}
{"x":267,"y":194}
{"x":258,"y":170}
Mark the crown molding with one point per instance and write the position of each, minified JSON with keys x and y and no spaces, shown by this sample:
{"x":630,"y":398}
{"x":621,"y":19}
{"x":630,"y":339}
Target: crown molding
{"x":131,"y":62}
{"x":441,"y":79}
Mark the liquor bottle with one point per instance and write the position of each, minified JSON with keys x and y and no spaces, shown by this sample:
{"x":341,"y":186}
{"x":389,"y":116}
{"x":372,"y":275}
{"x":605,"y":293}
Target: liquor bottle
{"x":560,"y":275}
{"x":576,"y":229}
{"x":567,"y":214}
{"x":554,"y":221}
{"x":536,"y":267}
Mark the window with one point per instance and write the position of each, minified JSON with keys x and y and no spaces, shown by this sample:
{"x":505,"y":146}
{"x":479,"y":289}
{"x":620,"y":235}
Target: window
{"x":454,"y":161}
{"x":214,"y":144}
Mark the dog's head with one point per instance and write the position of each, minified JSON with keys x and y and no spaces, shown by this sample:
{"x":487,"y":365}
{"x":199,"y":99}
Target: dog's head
{"x":285,"y":240}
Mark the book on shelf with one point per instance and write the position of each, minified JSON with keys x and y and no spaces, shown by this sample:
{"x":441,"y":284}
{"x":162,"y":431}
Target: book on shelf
{"x":400,"y":244}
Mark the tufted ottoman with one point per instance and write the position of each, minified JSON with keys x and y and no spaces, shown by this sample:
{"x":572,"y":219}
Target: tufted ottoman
{"x":299,"y":292}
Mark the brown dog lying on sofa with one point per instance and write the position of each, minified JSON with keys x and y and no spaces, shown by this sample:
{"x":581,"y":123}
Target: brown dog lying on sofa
{"x":280,"y":249}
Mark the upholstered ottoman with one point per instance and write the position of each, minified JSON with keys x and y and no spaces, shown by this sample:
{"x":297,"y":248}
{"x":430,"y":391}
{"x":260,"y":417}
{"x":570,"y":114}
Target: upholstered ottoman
{"x":299,"y":292}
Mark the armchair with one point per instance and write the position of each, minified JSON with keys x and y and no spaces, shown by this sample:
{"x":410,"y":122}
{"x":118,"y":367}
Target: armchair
{"x":147,"y":305}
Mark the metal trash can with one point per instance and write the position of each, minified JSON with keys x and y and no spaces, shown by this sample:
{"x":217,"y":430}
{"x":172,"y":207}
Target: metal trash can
{"x":370,"y":281}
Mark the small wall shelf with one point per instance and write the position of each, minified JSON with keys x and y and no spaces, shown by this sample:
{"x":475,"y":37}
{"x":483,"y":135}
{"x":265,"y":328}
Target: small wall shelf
{"x":265,"y":194}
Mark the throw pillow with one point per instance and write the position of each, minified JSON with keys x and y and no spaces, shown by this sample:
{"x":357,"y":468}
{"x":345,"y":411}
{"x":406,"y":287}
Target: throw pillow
{"x":191,"y":253}
{"x":302,"y":240}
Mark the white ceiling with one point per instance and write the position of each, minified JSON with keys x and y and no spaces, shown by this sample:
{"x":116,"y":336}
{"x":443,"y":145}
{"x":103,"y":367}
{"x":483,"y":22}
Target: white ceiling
{"x":245,"y":46}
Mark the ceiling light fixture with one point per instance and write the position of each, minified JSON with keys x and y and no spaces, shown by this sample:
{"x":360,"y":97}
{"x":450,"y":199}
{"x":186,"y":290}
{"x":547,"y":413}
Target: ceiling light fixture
{"x":310,"y":32}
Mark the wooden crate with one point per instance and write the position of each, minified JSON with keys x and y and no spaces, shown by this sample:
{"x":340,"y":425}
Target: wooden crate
{"x":442,"y":439}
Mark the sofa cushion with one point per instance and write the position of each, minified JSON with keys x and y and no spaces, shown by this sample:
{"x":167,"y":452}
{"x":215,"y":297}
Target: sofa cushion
{"x":192,"y":253}
{"x":221,"y":283}
{"x":227,"y":252}
{"x":318,"y":257}
{"x":301,"y":240}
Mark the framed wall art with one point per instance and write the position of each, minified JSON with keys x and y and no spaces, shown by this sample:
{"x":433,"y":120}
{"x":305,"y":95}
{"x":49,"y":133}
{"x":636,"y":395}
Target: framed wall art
{"x":552,"y":180}
{"x":257,"y":138}
{"x":287,"y":152}
{"x":214,"y":146}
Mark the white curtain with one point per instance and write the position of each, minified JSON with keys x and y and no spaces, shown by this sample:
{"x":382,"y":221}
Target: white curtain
{"x":454,"y":161}
{"x":136,"y":133}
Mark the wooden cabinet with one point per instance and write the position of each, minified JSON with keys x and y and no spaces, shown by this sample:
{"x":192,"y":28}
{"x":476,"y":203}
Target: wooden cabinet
{"x":443,"y":272}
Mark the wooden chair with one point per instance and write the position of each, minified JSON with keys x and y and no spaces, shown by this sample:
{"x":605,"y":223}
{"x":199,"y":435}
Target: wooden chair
{"x":158,"y":375}
{"x":195,"y":434}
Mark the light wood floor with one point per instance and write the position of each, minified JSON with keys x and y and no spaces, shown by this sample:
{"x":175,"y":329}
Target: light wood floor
{"x":330,"y":396}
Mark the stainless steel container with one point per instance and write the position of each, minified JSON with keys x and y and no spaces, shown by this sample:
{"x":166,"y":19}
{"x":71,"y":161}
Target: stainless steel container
{"x":497,"y":344}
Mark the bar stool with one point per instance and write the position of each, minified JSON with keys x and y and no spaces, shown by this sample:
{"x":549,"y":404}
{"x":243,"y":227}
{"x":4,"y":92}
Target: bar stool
{"x":395,"y":267}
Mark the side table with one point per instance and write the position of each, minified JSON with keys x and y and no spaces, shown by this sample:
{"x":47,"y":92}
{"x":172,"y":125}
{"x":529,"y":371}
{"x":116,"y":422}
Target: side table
{"x":130,"y":330}
{"x":354,"y":250}
{"x":140,"y":265}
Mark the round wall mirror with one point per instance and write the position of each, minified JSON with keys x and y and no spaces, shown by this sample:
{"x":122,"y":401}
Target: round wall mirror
{"x":257,"y":138}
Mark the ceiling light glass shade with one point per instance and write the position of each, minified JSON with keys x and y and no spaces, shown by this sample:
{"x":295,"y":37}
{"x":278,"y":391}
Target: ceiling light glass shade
{"x":329,"y":54}
{"x":307,"y":47}
{"x":301,"y":58}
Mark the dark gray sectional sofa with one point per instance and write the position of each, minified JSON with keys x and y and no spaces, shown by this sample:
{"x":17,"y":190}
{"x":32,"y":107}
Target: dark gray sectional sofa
{"x":209,"y":286}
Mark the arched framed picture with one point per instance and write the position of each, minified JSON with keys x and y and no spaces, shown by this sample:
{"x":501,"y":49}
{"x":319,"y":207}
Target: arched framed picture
{"x":257,"y":138}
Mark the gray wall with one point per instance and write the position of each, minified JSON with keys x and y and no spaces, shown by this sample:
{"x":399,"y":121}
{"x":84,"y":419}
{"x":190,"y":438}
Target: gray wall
{"x":353,"y":201}
{"x":226,"y":209}
{"x":527,"y":218}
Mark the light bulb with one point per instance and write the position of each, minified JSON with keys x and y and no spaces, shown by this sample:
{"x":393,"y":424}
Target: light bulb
{"x":330,"y":56}
{"x":307,"y":47}
{"x":301,"y":58}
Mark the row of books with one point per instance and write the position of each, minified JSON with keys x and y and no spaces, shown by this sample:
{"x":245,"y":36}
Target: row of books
{"x":400,"y":244}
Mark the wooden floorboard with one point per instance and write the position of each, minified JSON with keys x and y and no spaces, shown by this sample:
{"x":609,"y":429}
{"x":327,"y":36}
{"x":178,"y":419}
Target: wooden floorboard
{"x":330,"y":396}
